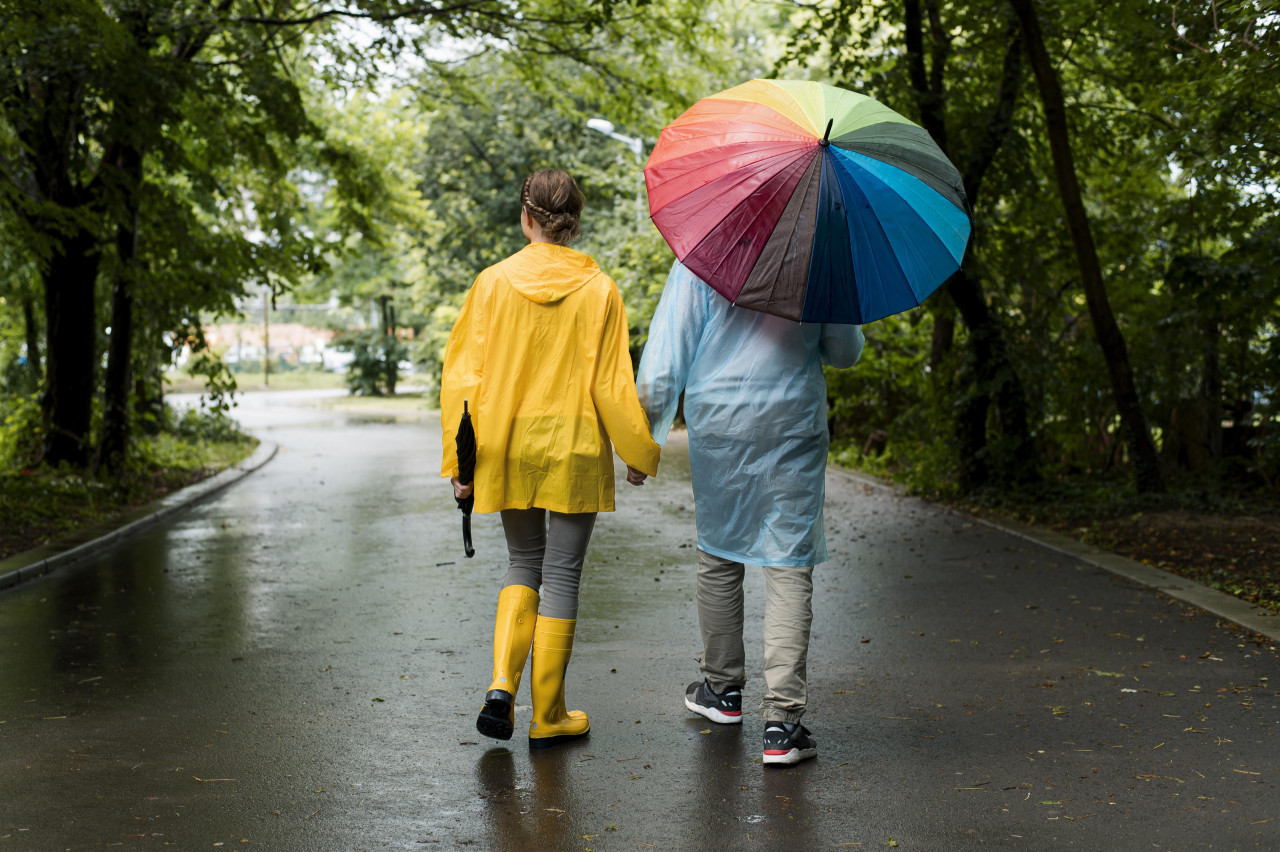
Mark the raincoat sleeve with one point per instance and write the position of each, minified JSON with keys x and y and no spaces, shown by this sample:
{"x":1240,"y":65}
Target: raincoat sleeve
{"x":613,"y":390}
{"x":463,"y":368}
{"x":673,"y":341}
{"x":841,"y":345}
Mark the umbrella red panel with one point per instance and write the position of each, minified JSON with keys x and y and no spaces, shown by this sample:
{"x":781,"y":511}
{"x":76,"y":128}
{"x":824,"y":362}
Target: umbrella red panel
{"x":727,"y":254}
{"x":671,"y":179}
{"x":686,"y":221}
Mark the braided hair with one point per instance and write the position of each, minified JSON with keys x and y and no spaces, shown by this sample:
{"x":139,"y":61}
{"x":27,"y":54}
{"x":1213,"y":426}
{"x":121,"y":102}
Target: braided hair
{"x":553,"y":200}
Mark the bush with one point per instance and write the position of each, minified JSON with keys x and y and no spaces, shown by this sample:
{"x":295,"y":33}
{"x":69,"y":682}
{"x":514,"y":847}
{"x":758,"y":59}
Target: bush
{"x":195,"y":424}
{"x":377,"y":355}
{"x":21,"y":433}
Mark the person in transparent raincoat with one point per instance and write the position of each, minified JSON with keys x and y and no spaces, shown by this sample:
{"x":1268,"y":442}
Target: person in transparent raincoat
{"x":755,"y":404}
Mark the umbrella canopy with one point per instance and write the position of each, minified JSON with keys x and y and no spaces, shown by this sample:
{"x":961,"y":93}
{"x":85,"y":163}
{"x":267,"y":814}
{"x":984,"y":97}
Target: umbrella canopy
{"x":466,"y":442}
{"x":808,"y":202}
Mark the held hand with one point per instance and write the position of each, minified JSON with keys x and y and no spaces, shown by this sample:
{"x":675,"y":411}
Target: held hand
{"x":636,"y":477}
{"x":461,"y":491}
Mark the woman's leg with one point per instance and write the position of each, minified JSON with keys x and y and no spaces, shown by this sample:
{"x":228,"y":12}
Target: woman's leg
{"x":526,"y":531}
{"x":565,"y":549}
{"x":567,"y":539}
{"x":516,"y":619}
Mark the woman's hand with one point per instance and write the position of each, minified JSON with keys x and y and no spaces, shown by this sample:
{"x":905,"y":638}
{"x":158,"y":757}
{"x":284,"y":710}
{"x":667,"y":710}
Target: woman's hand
{"x":636,"y":477}
{"x":461,"y":491}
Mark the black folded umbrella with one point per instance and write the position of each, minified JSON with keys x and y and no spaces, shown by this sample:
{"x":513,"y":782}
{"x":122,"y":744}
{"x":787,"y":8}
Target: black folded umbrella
{"x":466,"y":441}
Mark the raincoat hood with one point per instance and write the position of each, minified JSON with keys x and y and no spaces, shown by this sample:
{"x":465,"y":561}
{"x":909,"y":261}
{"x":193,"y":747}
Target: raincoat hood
{"x":546,"y":272}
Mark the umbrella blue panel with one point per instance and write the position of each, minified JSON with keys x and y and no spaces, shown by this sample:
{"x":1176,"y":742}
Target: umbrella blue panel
{"x":927,"y":232}
{"x":831,"y":293}
{"x":883,"y":287}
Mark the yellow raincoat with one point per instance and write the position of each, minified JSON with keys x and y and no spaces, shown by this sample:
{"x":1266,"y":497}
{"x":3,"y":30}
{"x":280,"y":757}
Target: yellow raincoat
{"x":540,"y":353}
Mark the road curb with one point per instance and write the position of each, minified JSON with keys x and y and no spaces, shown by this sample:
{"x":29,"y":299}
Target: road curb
{"x":1252,"y":618}
{"x":49,"y":557}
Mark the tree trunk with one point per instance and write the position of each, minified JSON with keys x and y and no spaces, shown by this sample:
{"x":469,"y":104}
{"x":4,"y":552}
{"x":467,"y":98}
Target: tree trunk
{"x":1133,"y":421}
{"x":33,"y":339}
{"x":1211,"y":386}
{"x":114,"y":447}
{"x":943,"y":335}
{"x":148,"y":394}
{"x":993,"y":371}
{"x":70,"y":323}
{"x":389,"y":329}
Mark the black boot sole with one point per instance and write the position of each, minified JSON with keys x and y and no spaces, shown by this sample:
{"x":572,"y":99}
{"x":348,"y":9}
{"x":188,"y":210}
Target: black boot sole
{"x":495,"y":717}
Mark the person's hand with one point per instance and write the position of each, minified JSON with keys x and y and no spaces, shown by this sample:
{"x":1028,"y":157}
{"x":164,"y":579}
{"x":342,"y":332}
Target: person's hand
{"x":461,"y":491}
{"x":636,"y":477}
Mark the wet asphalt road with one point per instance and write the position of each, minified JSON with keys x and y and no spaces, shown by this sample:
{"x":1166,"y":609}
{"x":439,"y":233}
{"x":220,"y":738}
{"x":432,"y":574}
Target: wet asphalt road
{"x":297,"y":662}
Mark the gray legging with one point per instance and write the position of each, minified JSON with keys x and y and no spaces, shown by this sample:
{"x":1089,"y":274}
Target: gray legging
{"x":548,"y":557}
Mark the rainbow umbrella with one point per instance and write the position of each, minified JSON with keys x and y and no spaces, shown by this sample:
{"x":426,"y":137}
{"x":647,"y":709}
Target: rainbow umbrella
{"x":808,"y":202}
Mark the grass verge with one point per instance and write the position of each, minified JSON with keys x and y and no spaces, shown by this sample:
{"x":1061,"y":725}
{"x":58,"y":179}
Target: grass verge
{"x":415,"y":403}
{"x":179,"y":382}
{"x":42,"y":505}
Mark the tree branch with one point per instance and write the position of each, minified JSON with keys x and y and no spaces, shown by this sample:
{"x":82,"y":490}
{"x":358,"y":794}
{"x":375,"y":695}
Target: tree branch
{"x":1154,"y":116}
{"x":927,"y":101}
{"x":1000,"y":121}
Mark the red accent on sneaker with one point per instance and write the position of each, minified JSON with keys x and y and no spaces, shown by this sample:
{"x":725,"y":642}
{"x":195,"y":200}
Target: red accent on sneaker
{"x":778,"y":750}
{"x":731,"y":712}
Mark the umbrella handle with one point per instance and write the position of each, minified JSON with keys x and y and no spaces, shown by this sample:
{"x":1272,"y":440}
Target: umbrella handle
{"x":466,"y":536}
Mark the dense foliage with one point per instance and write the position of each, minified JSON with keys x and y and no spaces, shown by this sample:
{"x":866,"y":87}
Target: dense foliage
{"x":1165,"y":110}
{"x":1121,"y":292}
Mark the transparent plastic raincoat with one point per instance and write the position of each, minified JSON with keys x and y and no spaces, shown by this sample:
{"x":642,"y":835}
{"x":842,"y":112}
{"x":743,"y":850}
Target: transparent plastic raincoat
{"x":756,"y":408}
{"x":540,"y":351}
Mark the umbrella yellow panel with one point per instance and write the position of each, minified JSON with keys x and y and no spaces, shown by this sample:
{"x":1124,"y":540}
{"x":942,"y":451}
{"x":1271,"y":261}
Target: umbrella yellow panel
{"x":804,"y":111}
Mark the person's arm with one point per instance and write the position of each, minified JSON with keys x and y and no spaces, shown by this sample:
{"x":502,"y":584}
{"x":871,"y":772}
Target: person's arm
{"x":668,"y":355}
{"x":613,"y":390}
{"x":460,"y":380}
{"x":841,"y":345}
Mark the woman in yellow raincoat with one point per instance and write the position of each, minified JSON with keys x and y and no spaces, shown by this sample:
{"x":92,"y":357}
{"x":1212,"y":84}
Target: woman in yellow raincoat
{"x":540,"y":353}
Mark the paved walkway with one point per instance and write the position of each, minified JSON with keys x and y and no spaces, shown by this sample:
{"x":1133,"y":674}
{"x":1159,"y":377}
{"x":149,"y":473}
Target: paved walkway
{"x":296,"y":663}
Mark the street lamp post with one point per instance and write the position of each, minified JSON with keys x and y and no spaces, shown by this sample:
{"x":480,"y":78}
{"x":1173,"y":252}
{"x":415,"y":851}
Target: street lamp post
{"x":636,"y":145}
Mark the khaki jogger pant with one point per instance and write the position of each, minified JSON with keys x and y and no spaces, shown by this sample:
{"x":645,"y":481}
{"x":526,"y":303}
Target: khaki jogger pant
{"x":788,"y":613}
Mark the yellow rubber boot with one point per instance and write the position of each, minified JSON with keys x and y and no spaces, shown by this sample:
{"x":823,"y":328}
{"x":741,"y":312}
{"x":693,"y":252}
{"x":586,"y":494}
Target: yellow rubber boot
{"x":552,"y":647}
{"x":512,"y":637}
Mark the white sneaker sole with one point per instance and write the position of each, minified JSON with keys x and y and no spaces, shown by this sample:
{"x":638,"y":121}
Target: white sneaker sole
{"x":713,"y":714}
{"x":792,"y":757}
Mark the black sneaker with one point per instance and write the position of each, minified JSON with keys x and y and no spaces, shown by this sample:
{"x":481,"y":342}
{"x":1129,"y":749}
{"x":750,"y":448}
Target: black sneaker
{"x":787,"y":742}
{"x":723,"y":707}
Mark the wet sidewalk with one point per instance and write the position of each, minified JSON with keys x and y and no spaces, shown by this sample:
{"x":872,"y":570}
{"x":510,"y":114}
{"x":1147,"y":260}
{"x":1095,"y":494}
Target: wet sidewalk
{"x":297,"y":662}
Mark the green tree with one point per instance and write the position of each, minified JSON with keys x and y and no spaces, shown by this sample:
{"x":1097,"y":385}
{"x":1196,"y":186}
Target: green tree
{"x":1107,"y":330}
{"x":100,"y":106}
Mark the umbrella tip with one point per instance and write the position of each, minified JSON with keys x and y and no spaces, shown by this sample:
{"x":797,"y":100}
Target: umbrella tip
{"x":464,"y":407}
{"x":826,"y":137}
